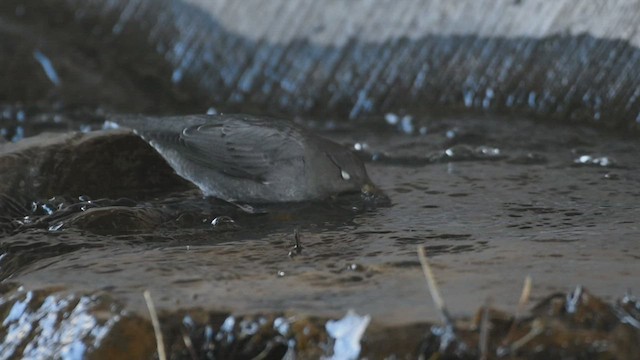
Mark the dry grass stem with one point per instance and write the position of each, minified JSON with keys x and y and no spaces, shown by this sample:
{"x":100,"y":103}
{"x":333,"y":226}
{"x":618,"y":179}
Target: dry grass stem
{"x":536,"y":329}
{"x":156,"y":325}
{"x":483,"y":343}
{"x":433,"y":287}
{"x":522,"y":303}
{"x":524,"y":297}
{"x":189,"y":345}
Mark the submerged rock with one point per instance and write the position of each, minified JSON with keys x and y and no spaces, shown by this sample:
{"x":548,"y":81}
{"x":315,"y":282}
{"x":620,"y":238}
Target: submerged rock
{"x":98,"y":164}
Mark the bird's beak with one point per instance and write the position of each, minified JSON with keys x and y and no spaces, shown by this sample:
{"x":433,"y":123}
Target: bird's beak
{"x":372,"y":194}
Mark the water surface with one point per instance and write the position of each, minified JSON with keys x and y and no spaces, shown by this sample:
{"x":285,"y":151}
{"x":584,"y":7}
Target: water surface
{"x":492,"y":199}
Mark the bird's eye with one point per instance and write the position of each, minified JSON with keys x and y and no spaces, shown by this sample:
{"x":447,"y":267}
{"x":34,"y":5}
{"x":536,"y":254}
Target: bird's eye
{"x":345,"y":175}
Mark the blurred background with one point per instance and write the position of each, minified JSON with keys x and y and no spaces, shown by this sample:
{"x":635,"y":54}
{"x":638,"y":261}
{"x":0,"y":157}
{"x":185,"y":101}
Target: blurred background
{"x":561,"y":60}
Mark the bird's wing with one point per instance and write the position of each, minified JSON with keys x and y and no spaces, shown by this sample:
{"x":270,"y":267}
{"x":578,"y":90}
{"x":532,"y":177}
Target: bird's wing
{"x":241,"y":149}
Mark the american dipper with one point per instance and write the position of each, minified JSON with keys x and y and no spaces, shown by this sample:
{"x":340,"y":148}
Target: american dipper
{"x":248,"y":159}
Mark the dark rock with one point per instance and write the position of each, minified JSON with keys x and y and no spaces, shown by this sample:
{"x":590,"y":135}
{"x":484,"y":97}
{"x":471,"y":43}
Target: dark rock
{"x":104,"y":164}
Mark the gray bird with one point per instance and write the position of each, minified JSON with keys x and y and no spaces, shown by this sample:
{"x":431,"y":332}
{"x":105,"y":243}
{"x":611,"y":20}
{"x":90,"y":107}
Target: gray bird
{"x":248,"y":159}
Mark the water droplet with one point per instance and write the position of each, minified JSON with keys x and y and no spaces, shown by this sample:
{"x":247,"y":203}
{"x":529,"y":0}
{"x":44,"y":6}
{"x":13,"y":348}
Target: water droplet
{"x":228,"y":324}
{"x":459,"y":152}
{"x":360,"y":146}
{"x":468,"y":98}
{"x":407,"y":124}
{"x":224,"y":223}
{"x":465,"y":152}
{"x":248,"y":327}
{"x":451,"y":133}
{"x":532,"y":99}
{"x":84,"y":198}
{"x":19,"y":134}
{"x":221,"y":220}
{"x":589,"y":160}
{"x":486,"y":102}
{"x":208,"y":334}
{"x":392,"y":119}
{"x":188,"y":322}
{"x":281,"y":325}
{"x":56,"y":227}
{"x":488,"y":151}
{"x":110,"y":125}
{"x":47,"y":67}
{"x":176,"y":77}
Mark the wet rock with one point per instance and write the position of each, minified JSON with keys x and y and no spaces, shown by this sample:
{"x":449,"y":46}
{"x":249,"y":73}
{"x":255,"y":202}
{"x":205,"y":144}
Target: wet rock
{"x":98,"y":164}
{"x":49,"y":324}
{"x":50,"y":321}
{"x":575,"y":325}
{"x":114,"y":220}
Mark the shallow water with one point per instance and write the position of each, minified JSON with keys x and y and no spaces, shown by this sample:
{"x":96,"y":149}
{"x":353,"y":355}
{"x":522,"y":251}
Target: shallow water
{"x":492,"y":199}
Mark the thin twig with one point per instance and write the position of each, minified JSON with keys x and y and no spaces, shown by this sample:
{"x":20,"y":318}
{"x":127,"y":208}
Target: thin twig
{"x":433,"y":287}
{"x":536,"y":329}
{"x":524,"y":297}
{"x":484,"y":331}
{"x":156,"y":325}
{"x":522,"y":303}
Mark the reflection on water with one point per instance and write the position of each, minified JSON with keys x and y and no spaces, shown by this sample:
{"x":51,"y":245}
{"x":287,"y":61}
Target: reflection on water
{"x":492,"y":199}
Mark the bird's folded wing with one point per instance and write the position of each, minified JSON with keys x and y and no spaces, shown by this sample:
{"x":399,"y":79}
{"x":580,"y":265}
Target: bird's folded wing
{"x":239,"y":149}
